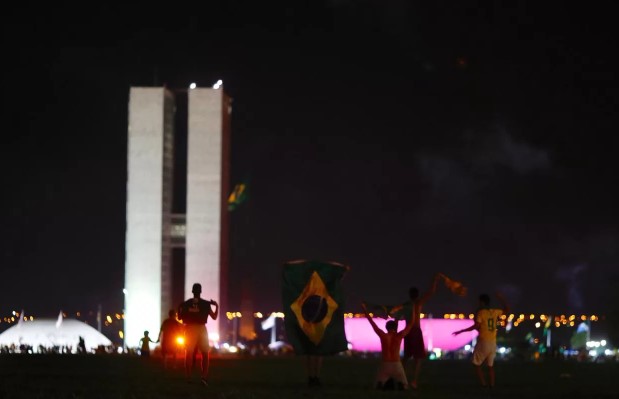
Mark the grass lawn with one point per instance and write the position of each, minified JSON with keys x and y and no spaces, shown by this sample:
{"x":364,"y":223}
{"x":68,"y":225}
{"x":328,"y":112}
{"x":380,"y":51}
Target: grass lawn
{"x":119,"y":377}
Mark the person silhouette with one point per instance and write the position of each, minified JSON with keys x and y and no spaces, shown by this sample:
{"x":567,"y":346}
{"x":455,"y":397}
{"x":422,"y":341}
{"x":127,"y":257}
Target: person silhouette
{"x":194,"y":314}
{"x":81,"y":345}
{"x":391,"y":367}
{"x":169,"y":332}
{"x":414,"y":346}
{"x":486,"y":321}
{"x":145,"y":345}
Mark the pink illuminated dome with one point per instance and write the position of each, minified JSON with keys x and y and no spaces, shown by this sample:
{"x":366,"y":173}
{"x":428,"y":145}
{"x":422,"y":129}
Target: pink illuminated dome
{"x":437,"y":333}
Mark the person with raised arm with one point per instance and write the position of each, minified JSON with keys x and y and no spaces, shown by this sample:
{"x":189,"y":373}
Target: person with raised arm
{"x":390,"y":342}
{"x":486,"y":321}
{"x":414,"y":346}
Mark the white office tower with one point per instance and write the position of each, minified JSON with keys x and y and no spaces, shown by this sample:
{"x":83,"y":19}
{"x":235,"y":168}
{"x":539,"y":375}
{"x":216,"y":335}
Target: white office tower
{"x":150,"y":231}
{"x":207,"y":190}
{"x":149,"y":204}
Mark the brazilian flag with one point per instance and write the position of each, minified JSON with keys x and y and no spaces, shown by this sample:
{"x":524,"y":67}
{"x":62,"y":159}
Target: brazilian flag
{"x":314,"y":307}
{"x":238,"y":195}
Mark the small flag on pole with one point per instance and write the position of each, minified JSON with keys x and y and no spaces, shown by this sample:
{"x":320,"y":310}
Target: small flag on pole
{"x":237,"y":196}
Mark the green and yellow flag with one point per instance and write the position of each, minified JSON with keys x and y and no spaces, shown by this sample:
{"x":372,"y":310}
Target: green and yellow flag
{"x":313,"y":307}
{"x":238,"y":196}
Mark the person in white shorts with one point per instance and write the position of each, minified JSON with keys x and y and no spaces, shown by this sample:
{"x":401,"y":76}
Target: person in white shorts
{"x":486,"y":321}
{"x":390,"y":342}
{"x":194,"y":314}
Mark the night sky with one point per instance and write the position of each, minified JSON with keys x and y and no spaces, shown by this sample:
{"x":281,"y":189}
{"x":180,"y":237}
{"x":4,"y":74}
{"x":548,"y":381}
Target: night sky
{"x":472,"y":138}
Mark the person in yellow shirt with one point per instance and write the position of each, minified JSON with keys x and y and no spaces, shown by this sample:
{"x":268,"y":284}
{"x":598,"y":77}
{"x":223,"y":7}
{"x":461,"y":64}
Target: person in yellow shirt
{"x":486,"y":321}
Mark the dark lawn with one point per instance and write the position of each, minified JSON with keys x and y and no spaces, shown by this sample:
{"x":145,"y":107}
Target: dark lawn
{"x":109,"y":376}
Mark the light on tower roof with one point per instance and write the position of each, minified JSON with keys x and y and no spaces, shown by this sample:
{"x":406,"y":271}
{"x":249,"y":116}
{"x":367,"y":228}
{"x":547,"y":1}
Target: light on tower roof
{"x":218,"y":84}
{"x":192,"y":85}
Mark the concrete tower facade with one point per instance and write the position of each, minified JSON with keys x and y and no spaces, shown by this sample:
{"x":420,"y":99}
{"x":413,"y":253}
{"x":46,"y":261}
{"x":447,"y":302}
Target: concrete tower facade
{"x":207,"y":191}
{"x":150,"y":230}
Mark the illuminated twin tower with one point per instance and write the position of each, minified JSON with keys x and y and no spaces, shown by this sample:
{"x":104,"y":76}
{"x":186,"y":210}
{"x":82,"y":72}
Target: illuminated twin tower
{"x":153,"y":230}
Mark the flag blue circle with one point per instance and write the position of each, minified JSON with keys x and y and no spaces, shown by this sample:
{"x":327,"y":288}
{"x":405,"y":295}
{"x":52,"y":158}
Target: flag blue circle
{"x":314,"y":309}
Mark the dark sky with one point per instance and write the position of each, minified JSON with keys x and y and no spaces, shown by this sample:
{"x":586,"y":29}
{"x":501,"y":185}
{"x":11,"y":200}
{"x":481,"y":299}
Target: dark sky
{"x":474,"y":138}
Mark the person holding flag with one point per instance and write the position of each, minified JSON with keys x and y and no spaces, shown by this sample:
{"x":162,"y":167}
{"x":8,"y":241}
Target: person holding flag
{"x":313,"y":303}
{"x":414,"y":346}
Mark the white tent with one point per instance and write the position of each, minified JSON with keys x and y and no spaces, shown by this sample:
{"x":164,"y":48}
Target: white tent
{"x":49,"y":333}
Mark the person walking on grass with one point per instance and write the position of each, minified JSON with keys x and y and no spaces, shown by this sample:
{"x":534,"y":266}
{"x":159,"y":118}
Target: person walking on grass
{"x":194,"y":314}
{"x":145,"y":345}
{"x":486,"y":321}
{"x":390,"y":341}
{"x":169,"y":333}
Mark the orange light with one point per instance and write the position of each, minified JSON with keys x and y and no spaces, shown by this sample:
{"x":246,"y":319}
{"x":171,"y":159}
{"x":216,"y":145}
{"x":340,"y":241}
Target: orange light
{"x":180,"y":340}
